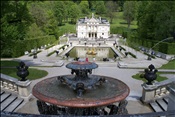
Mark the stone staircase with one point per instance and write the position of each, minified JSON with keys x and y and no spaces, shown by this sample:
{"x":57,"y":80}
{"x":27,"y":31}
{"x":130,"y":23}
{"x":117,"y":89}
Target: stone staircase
{"x":159,"y":105}
{"x":9,"y":102}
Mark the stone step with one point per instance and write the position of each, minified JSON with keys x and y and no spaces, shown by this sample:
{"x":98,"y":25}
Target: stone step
{"x":4,"y":96}
{"x":2,"y":92}
{"x":14,"y":105}
{"x":155,"y":107}
{"x":165,"y":99}
{"x":162,"y":104}
{"x":7,"y":102}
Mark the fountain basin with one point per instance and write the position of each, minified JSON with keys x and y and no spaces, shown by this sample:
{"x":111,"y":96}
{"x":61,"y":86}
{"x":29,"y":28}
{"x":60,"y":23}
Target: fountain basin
{"x":52,"y":91}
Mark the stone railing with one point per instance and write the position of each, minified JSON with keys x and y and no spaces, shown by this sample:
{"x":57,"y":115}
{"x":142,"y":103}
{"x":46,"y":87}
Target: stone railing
{"x":9,"y":83}
{"x":155,"y":91}
{"x":12,"y":84}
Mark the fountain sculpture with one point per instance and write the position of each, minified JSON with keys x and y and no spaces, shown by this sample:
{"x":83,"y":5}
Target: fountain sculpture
{"x":81,"y":93}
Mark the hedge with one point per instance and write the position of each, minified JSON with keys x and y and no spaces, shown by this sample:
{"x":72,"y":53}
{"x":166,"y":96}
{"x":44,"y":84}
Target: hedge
{"x":133,"y":55}
{"x":26,"y":45}
{"x":51,"y":53}
{"x":164,"y":47}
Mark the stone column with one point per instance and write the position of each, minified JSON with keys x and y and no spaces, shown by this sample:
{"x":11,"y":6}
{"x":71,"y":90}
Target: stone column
{"x":24,"y":89}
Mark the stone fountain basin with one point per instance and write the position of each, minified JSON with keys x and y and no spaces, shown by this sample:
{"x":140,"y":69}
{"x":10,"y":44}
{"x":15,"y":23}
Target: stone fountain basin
{"x":52,"y":91}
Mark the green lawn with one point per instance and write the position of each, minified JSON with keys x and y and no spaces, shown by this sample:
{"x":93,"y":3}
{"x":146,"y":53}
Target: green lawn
{"x":159,"y":78}
{"x":9,"y":63}
{"x":33,"y":73}
{"x":120,"y":22}
{"x":169,"y":65}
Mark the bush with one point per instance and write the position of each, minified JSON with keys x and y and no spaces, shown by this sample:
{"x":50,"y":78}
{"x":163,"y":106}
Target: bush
{"x":164,"y":47}
{"x":149,"y":55}
{"x":20,"y":46}
{"x":31,"y":54}
{"x":122,"y":48}
{"x":51,"y":53}
{"x":134,"y":56}
{"x":49,"y":47}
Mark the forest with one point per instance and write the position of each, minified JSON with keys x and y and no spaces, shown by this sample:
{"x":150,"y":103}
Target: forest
{"x":30,"y":24}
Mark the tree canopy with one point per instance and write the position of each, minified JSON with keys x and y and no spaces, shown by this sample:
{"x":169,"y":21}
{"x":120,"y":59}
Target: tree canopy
{"x":156,"y":19}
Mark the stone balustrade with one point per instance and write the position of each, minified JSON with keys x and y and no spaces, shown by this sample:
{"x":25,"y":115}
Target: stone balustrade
{"x":9,"y":83}
{"x":155,"y":91}
{"x":12,"y":84}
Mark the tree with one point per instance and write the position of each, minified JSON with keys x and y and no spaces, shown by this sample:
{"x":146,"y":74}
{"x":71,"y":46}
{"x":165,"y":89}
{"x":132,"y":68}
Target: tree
{"x":60,"y":11}
{"x":38,"y":14}
{"x":129,"y":11}
{"x":92,"y":5}
{"x":15,"y":21}
{"x":68,"y":5}
{"x":100,"y":7}
{"x":156,"y":20}
{"x":111,"y":8}
{"x":74,"y":13}
{"x":84,"y":5}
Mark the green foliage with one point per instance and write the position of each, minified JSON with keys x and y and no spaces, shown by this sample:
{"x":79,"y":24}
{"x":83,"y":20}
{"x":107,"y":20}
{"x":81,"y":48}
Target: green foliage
{"x":49,"y":54}
{"x":31,"y":54}
{"x":60,"y":11}
{"x":129,"y":11}
{"x":6,"y":63}
{"x":156,"y":19}
{"x":49,"y":46}
{"x":38,"y":14}
{"x":84,"y":5}
{"x":33,"y":73}
{"x":133,"y":55}
{"x":74,"y":13}
{"x":111,"y":8}
{"x":138,"y":77}
{"x":135,"y":42}
{"x":152,"y":56}
{"x":100,"y":7}
{"x":122,"y":48}
{"x":26,"y":45}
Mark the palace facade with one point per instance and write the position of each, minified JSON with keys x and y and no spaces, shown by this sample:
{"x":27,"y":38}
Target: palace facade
{"x":93,"y":28}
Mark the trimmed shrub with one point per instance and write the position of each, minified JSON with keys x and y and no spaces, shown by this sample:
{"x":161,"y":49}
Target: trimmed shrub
{"x":20,"y":46}
{"x":51,"y":53}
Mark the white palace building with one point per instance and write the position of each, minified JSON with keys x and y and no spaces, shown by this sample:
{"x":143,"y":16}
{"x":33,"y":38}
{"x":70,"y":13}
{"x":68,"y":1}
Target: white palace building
{"x":93,"y":28}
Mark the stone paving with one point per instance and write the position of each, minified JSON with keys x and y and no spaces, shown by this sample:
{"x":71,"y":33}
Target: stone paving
{"x":105,"y":68}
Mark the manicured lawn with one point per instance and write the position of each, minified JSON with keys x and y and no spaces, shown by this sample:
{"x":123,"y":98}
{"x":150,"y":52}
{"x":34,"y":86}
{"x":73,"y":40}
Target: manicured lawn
{"x":9,"y":63}
{"x":68,"y":28}
{"x":159,"y":78}
{"x":169,"y":65}
{"x":118,"y":21}
{"x":33,"y":73}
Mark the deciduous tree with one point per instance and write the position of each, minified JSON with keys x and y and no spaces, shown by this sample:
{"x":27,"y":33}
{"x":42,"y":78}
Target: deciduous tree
{"x":129,"y":11}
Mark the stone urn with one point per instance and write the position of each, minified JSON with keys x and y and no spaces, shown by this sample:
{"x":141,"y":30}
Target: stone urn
{"x":22,"y":71}
{"x":150,"y":74}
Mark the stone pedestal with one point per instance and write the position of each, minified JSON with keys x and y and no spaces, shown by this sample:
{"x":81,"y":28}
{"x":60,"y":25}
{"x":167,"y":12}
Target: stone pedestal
{"x":171,"y":98}
{"x":148,"y":93}
{"x":24,"y":88}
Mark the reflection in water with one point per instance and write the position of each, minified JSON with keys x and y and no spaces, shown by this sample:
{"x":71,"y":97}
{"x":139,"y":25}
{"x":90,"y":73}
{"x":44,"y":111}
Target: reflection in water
{"x":84,"y":52}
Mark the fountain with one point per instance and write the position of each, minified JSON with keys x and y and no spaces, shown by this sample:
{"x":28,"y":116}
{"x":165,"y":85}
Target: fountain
{"x":81,"y":93}
{"x":91,"y":52}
